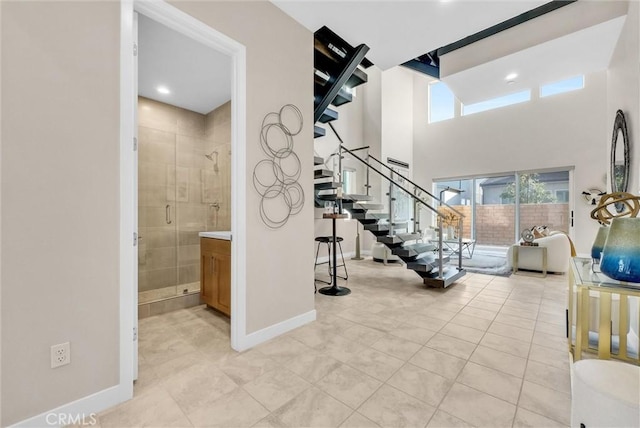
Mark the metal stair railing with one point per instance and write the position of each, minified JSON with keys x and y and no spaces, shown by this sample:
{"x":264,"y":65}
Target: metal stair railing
{"x":417,"y":200}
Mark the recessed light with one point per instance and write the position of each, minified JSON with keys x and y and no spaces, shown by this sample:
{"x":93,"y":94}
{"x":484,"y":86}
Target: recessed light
{"x":511,"y":76}
{"x":163,"y":90}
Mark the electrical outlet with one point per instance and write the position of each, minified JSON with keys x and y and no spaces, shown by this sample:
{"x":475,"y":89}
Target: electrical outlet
{"x":60,"y":355}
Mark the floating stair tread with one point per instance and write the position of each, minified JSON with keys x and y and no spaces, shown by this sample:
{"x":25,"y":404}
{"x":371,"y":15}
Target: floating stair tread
{"x":378,"y":227}
{"x":426,"y":264}
{"x":399,"y":238}
{"x":327,"y":197}
{"x":320,"y":77}
{"x":326,"y":185}
{"x":317,"y":160}
{"x":318,"y":131}
{"x":325,"y":36}
{"x":357,"y":78}
{"x":370,"y":216}
{"x":328,"y":115}
{"x":401,"y":224}
{"x":318,"y":173}
{"x":363,"y":207}
{"x":354,"y":197}
{"x":379,"y":234}
{"x":449,"y":277}
{"x":326,"y":53}
{"x":412,"y":250}
{"x":343,"y":97}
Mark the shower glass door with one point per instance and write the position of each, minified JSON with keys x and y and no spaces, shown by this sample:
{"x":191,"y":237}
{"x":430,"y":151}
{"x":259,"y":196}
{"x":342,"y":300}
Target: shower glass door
{"x":184,"y":188}
{"x":157,"y":225}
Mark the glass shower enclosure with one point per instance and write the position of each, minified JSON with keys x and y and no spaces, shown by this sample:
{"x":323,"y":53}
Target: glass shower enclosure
{"x":183,"y":189}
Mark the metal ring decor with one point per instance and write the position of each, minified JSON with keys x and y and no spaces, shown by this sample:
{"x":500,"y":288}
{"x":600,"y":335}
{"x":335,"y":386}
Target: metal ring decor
{"x":630,"y":207}
{"x":276,"y":178}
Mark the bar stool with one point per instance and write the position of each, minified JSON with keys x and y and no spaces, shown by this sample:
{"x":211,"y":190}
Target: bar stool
{"x":329,"y":240}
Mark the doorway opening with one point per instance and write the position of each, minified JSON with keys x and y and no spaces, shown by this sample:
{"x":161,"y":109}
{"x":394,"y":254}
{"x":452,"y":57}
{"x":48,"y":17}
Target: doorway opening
{"x":210,"y":158}
{"x":184,"y":162}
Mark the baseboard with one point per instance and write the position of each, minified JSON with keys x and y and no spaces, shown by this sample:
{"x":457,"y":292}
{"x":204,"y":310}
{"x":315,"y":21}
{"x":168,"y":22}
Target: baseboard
{"x":80,"y":412}
{"x":261,"y":336}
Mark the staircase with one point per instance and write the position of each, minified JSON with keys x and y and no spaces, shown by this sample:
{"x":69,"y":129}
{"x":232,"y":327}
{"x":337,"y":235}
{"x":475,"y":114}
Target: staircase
{"x":339,"y":67}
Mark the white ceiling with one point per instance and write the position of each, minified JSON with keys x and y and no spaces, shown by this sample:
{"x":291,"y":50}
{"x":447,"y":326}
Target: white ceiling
{"x":582,"y":52}
{"x":198,"y":77}
{"x":575,"y":39}
{"x":398,"y":31}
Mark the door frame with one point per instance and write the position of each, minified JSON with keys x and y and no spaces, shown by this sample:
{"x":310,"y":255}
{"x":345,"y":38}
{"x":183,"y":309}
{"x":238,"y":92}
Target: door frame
{"x":177,"y":20}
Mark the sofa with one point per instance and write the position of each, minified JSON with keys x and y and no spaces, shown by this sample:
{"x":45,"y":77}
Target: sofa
{"x":559,"y":252}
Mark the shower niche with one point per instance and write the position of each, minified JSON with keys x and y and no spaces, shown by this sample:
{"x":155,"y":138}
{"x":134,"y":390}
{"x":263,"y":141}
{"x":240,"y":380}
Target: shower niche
{"x":184,"y":187}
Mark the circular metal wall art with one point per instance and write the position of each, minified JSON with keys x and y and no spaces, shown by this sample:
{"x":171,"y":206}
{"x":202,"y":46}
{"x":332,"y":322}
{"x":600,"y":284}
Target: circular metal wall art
{"x":276,"y":178}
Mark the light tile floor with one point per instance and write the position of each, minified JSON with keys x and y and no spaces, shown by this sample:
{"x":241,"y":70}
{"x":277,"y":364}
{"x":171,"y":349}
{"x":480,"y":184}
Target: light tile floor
{"x":488,"y":351}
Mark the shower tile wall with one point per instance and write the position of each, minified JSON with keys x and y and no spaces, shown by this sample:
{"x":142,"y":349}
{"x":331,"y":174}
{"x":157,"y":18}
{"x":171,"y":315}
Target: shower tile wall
{"x":173,"y":170}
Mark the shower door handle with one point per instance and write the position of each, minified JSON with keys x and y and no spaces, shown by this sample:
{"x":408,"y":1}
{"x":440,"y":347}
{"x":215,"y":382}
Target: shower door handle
{"x":167,"y":214}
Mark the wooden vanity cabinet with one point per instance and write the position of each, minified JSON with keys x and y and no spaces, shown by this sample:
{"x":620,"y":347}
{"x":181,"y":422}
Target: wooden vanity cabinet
{"x":215,"y":273}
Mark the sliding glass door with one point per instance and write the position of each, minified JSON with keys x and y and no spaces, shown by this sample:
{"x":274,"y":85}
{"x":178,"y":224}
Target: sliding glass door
{"x":544,"y":200}
{"x":495,"y":213}
{"x":494,"y":216}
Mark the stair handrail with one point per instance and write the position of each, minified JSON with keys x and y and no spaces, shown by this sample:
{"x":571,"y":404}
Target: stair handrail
{"x":440,"y":202}
{"x":435,"y":211}
{"x":417,"y":186}
{"x":439,"y":215}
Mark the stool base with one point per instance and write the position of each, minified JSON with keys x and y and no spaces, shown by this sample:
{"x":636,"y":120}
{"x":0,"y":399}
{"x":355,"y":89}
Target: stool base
{"x":334,"y":291}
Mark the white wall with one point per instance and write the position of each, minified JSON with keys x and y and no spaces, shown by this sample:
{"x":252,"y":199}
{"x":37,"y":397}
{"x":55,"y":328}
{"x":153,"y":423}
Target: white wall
{"x":558,"y":131}
{"x":60,"y":188}
{"x":397,"y":115}
{"x":279,"y":66}
{"x":372,"y":123}
{"x":623,"y":91}
{"x":60,"y":202}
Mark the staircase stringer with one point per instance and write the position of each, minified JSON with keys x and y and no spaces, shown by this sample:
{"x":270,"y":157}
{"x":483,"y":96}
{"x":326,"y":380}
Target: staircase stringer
{"x":349,"y":68}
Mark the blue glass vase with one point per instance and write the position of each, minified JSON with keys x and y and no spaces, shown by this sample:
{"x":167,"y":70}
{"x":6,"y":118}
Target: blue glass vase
{"x":621,"y":252}
{"x":598,"y":244}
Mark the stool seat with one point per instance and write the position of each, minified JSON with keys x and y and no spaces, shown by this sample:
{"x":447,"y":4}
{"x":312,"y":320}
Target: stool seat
{"x":328,"y":239}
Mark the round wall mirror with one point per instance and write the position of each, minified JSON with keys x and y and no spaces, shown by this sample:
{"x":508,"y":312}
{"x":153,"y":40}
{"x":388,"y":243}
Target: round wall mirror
{"x":619,"y":156}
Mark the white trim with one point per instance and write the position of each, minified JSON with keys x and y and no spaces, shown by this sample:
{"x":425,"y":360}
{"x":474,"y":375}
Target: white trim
{"x":128,"y":253}
{"x":85,"y":406}
{"x":134,"y":289}
{"x":267,"y":333}
{"x":179,"y":21}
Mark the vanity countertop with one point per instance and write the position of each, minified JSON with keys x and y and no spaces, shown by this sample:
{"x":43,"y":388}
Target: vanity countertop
{"x":217,"y":234}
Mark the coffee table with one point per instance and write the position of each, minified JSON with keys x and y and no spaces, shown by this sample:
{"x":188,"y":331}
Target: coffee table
{"x":454,"y":245}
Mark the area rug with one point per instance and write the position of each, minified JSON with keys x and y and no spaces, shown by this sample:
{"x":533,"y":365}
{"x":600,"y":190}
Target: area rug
{"x":485,"y":263}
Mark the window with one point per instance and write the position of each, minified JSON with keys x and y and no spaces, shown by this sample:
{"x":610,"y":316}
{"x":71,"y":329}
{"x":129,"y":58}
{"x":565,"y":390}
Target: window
{"x":348,"y":180}
{"x":561,"y":86}
{"x":507,"y":100}
{"x":562,"y":196}
{"x":441,"y":104}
